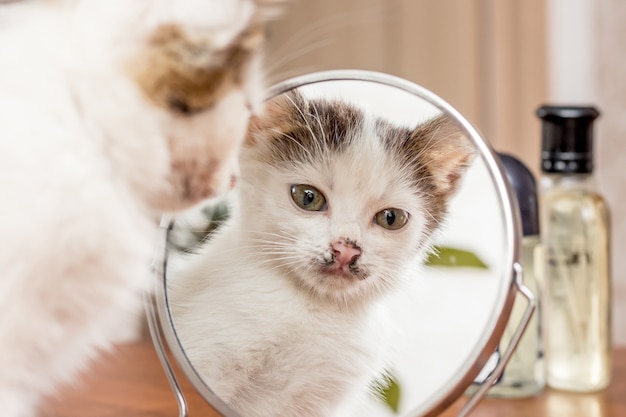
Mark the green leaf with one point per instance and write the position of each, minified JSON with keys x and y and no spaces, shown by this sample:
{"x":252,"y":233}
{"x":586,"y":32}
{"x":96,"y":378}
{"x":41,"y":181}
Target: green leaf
{"x":453,"y":257}
{"x":389,"y":393}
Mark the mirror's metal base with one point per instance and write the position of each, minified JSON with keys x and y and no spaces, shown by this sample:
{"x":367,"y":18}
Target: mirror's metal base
{"x":155,"y":333}
{"x":519,"y":332}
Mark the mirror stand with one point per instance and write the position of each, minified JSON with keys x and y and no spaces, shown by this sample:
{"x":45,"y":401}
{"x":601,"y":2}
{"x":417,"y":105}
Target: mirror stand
{"x":154,"y":326}
{"x":480,"y":393}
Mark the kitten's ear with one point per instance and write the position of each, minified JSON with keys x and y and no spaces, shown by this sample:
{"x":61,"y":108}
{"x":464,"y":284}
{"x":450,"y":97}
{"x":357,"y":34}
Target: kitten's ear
{"x":448,"y":152}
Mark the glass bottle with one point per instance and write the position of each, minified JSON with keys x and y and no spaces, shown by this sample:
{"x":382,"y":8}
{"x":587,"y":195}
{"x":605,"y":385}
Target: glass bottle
{"x":524,"y":374}
{"x":576,"y":241}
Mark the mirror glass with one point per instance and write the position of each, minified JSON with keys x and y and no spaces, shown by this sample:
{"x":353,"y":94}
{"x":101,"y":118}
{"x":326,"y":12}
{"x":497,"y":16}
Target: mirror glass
{"x":437,"y":328}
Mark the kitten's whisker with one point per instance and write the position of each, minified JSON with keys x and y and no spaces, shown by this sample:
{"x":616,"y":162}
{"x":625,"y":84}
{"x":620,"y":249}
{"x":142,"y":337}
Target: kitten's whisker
{"x":324,"y":26}
{"x":280,"y":255}
{"x":428,"y":214}
{"x":264,"y":243}
{"x":278,"y":265}
{"x":304,"y":119}
{"x":308,"y":152}
{"x":272,"y":264}
{"x":276,"y":77}
{"x":297,"y":54}
{"x":280,"y":262}
{"x":312,"y":31}
{"x":319,"y":122}
{"x":273,"y":239}
{"x":287,"y":247}
{"x":280,"y":233}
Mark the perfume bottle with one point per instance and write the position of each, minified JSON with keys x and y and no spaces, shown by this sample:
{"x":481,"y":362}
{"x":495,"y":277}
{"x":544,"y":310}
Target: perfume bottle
{"x":576,"y":241}
{"x":524,"y":374}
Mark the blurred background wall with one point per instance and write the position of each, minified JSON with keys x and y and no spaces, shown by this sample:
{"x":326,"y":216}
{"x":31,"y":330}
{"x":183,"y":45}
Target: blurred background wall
{"x":496,"y":61}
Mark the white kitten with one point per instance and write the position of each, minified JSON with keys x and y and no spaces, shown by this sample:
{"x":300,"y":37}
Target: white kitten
{"x":111,"y":111}
{"x":283,"y":312}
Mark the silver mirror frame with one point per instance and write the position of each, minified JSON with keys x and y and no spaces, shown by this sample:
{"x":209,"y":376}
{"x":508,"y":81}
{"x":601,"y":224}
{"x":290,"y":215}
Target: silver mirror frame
{"x":159,"y":315}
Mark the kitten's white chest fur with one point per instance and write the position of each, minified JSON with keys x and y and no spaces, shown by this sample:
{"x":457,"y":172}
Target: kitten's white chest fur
{"x":283,"y":352}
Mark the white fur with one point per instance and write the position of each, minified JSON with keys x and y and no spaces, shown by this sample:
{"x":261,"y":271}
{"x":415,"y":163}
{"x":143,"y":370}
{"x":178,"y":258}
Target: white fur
{"x":256,"y":318}
{"x":85,"y":170}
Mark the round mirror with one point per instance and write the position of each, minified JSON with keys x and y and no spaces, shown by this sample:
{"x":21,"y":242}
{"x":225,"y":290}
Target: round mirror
{"x":364,"y":264}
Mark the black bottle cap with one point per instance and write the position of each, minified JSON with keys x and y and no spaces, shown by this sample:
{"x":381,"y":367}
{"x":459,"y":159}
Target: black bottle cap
{"x":567,"y":138}
{"x":523,"y":182}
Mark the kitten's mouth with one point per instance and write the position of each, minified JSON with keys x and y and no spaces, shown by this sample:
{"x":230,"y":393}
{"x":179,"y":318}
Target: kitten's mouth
{"x":347,"y":271}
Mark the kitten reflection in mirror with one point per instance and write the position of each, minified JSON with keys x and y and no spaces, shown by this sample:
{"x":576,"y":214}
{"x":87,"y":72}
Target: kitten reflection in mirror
{"x":111,"y":112}
{"x":283,"y":310}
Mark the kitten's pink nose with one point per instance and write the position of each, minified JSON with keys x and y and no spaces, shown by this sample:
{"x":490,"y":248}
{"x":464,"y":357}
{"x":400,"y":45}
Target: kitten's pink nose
{"x":346,"y":253}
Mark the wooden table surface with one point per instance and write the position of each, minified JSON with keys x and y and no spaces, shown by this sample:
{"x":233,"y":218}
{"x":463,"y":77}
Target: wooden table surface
{"x":130,"y":383}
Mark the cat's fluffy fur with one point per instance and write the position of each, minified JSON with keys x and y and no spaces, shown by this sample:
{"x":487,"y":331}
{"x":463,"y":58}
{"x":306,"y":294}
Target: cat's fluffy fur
{"x":263,"y":310}
{"x":111,"y":111}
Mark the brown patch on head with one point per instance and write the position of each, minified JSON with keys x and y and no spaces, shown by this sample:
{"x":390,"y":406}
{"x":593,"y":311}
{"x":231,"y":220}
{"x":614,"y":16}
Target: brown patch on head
{"x":295,"y":129}
{"x":436,"y":154}
{"x":188,"y":75}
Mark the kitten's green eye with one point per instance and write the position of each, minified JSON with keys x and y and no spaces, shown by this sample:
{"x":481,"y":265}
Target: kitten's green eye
{"x":308,"y":197}
{"x":392,"y":218}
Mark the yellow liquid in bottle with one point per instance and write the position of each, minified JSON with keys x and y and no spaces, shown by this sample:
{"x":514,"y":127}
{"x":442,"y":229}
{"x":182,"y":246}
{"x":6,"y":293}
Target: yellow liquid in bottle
{"x":576,"y":302}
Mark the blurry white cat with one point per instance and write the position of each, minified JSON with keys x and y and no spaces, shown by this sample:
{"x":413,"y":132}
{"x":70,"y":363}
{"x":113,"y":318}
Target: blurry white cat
{"x":111,"y":112}
{"x":283,"y":311}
